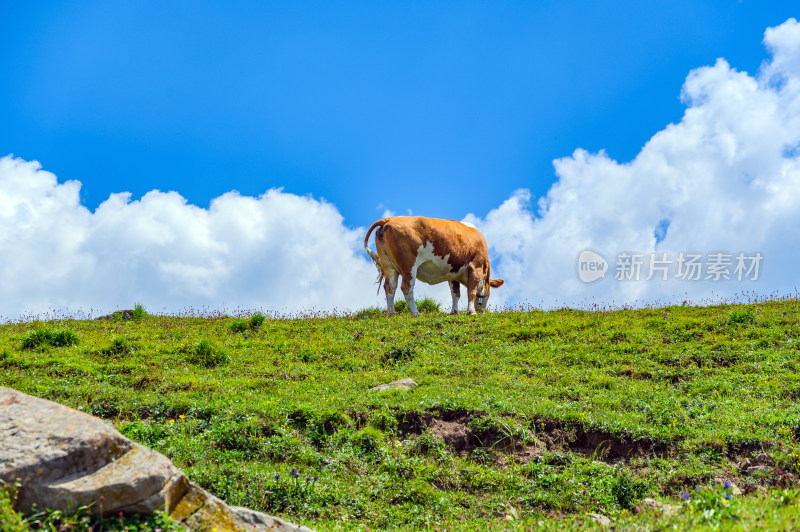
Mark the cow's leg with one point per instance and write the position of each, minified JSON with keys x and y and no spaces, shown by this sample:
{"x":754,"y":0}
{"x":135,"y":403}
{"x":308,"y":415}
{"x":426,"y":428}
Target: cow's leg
{"x":473,"y":280}
{"x":408,"y":291}
{"x":390,"y":286}
{"x":455,"y":291}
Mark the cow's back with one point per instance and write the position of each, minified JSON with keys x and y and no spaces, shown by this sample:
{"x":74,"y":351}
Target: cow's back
{"x":402,"y":238}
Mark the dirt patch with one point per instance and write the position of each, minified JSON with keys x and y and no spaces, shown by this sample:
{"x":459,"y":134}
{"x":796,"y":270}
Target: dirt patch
{"x":455,"y":435}
{"x":610,"y":448}
{"x":454,"y":429}
{"x":547,"y":435}
{"x":756,"y":464}
{"x":417,"y":423}
{"x":746,"y":450}
{"x":145,"y":383}
{"x":562,"y":437}
{"x":457,"y":429}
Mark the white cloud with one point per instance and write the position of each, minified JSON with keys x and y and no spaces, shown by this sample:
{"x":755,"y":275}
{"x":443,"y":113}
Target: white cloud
{"x":276,"y":252}
{"x":724,"y":179}
{"x":386,"y":211}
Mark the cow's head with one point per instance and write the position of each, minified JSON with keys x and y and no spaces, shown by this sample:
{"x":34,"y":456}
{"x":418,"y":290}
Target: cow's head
{"x":482,"y":299}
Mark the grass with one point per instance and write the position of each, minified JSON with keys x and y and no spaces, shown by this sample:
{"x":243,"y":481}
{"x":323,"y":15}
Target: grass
{"x":423,"y":305}
{"x":521,"y":419}
{"x":206,"y":354}
{"x":43,"y":338}
{"x":139,"y":311}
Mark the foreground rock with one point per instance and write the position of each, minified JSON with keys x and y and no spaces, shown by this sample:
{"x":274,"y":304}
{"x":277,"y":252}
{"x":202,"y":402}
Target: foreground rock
{"x":64,"y":459}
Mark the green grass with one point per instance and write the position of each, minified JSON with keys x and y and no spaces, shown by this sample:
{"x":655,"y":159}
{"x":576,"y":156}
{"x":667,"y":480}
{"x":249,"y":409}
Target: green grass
{"x":42,"y":338}
{"x":139,"y":311}
{"x":520,"y":419}
{"x":423,"y":305}
{"x":206,"y":354}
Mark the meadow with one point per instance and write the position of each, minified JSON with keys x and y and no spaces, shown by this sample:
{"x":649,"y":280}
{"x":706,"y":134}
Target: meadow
{"x":523,"y":419}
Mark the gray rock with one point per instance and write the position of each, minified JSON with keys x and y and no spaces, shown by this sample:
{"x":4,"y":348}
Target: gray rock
{"x":64,"y":459}
{"x":511,"y":512}
{"x":733,"y":487}
{"x":120,"y":314}
{"x":402,"y":384}
{"x":599,"y":518}
{"x":664,"y":508}
{"x":198,"y":509}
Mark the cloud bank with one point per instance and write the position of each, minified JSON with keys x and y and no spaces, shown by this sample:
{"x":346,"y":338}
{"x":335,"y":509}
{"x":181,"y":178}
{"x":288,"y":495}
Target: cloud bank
{"x":277,"y":252}
{"x":724,"y":180}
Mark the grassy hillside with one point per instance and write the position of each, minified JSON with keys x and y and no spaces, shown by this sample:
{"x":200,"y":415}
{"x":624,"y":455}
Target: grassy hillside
{"x":520,"y":420}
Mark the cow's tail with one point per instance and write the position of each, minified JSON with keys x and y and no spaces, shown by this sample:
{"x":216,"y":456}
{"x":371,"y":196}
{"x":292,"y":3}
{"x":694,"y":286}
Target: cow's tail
{"x":375,"y":258}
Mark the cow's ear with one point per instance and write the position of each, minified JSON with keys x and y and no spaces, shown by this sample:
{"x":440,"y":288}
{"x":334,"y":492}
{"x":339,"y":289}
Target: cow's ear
{"x":495,"y":283}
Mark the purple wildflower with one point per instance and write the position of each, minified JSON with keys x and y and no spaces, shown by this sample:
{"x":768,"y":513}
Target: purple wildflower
{"x":685,"y":496}
{"x":727,"y":485}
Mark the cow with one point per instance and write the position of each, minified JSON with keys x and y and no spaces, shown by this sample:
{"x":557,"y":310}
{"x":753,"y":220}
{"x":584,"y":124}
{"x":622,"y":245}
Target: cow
{"x":433,"y":251}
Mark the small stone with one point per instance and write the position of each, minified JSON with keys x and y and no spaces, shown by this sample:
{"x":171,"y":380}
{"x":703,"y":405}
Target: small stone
{"x":599,"y":518}
{"x":733,"y":487}
{"x":512,"y":513}
{"x":666,"y":509}
{"x":402,"y":384}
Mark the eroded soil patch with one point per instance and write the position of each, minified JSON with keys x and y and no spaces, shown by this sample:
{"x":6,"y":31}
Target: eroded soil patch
{"x":456,"y":429}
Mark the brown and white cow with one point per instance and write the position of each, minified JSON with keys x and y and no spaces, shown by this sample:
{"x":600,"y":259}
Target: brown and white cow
{"x":433,"y":251}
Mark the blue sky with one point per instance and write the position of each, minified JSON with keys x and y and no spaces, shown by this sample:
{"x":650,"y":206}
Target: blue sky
{"x":230,"y":155}
{"x":440,"y":108}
